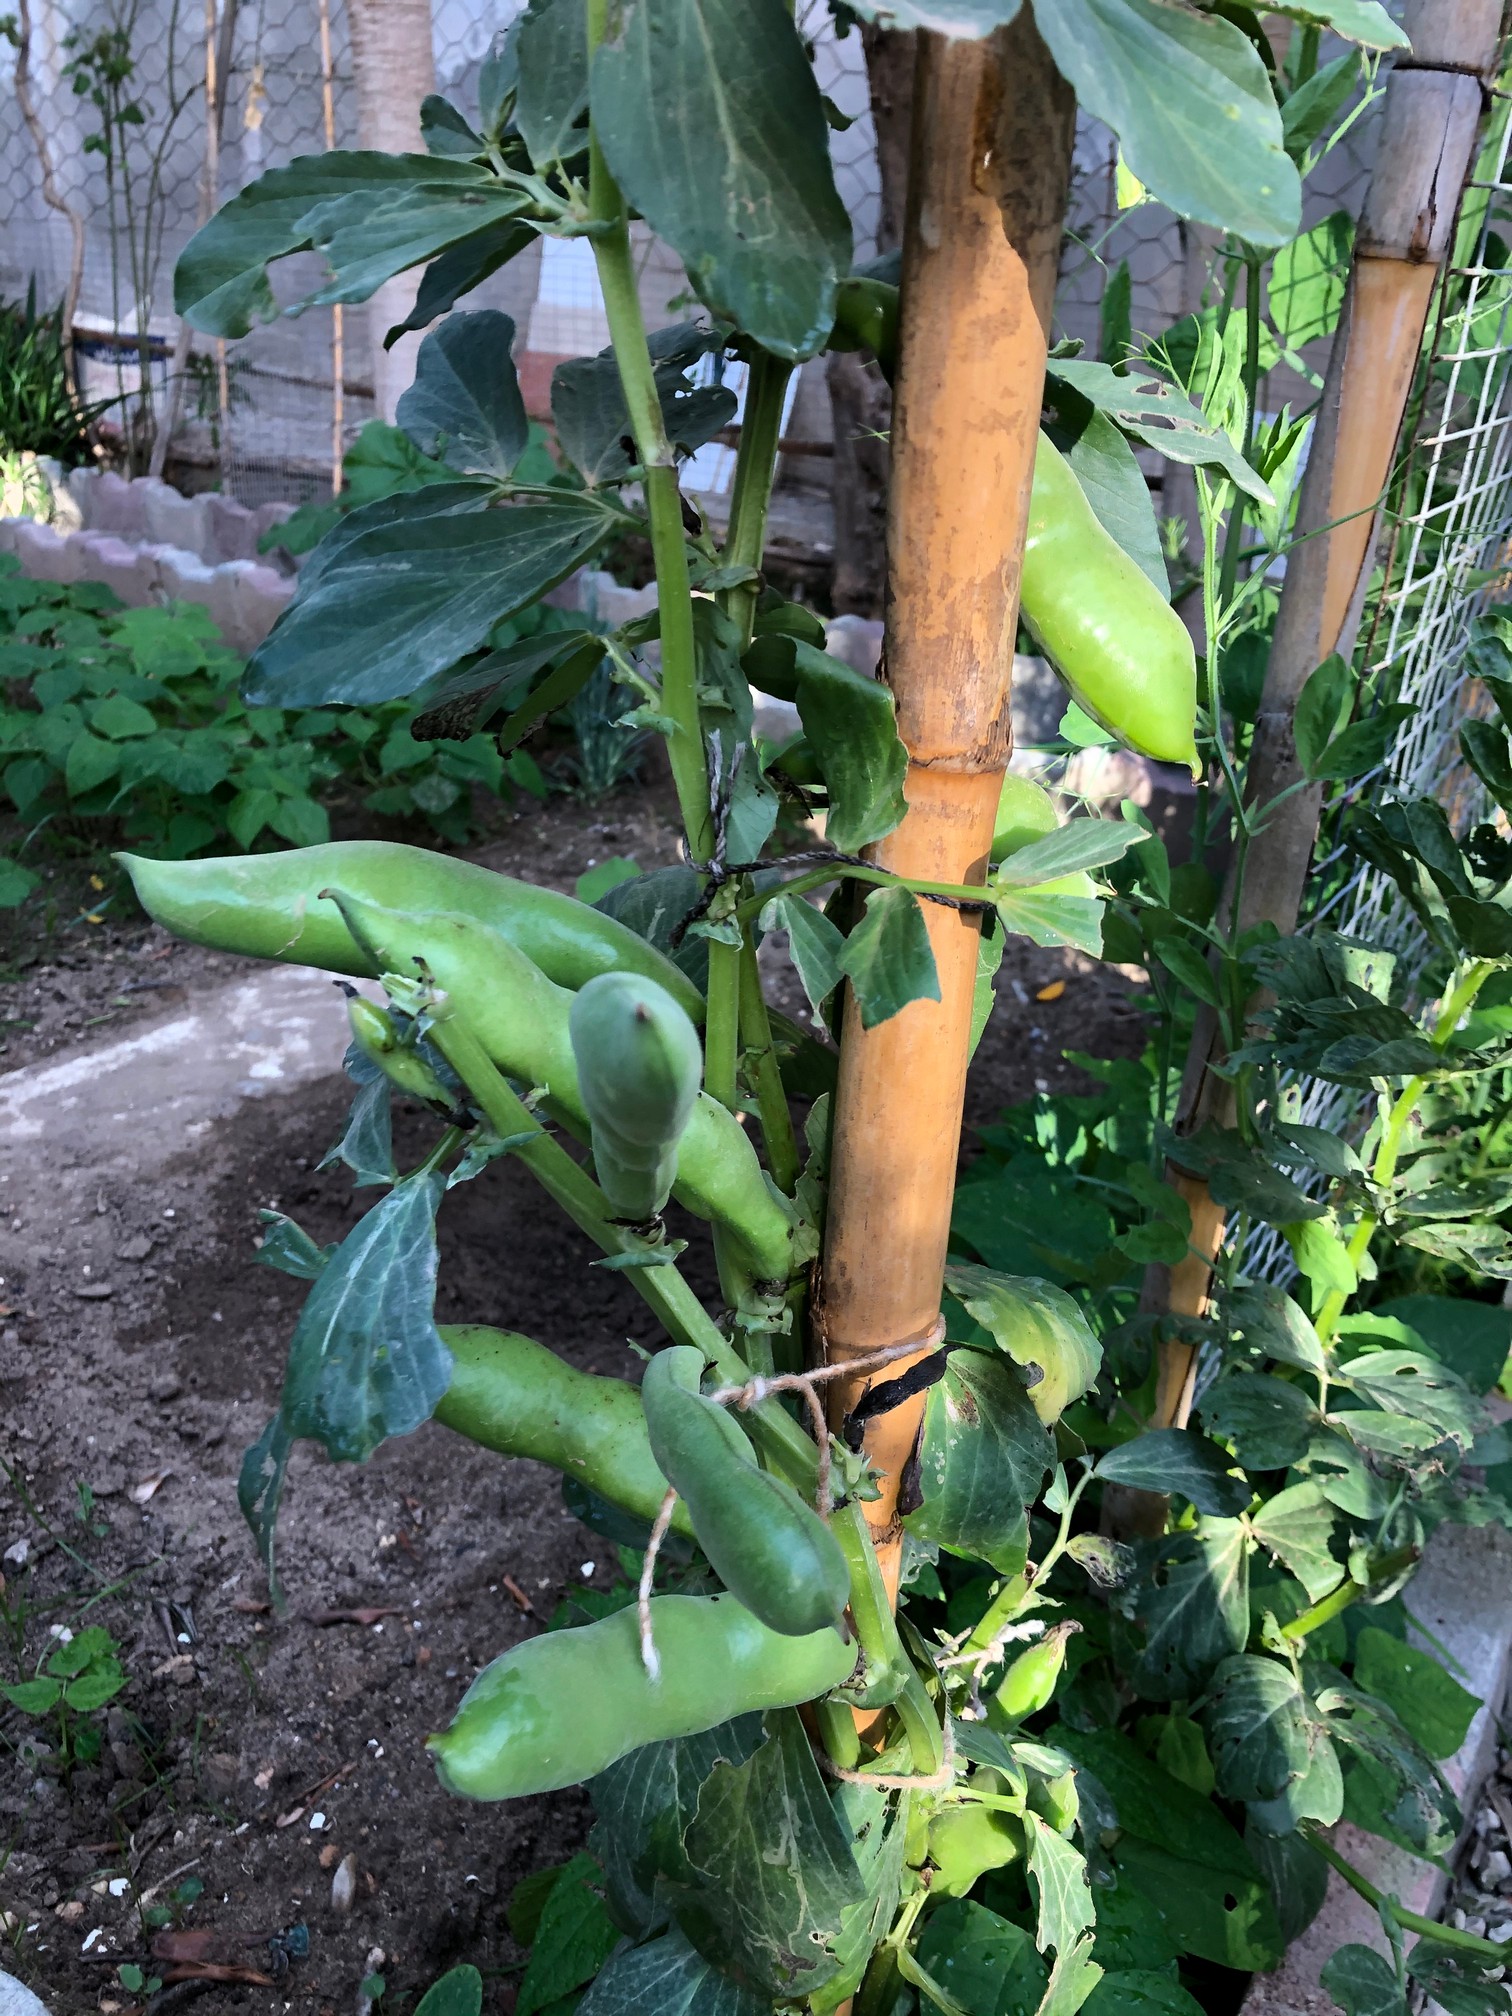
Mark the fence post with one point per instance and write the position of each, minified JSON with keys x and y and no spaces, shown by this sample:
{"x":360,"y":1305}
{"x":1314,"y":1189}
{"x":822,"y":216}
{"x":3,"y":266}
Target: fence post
{"x":990,"y":170}
{"x":1429,"y":125}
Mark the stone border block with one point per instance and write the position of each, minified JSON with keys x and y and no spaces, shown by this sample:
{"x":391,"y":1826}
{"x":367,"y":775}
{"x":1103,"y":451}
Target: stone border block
{"x":47,"y":554}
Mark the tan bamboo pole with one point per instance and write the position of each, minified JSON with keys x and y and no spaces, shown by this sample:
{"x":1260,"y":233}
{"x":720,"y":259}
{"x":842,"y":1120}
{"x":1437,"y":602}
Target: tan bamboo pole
{"x":1429,"y":125}
{"x":338,"y":331}
{"x":992,"y":130}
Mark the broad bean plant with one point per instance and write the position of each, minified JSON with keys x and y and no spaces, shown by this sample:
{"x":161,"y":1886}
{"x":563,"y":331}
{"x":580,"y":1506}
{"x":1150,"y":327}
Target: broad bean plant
{"x":805,"y":1797}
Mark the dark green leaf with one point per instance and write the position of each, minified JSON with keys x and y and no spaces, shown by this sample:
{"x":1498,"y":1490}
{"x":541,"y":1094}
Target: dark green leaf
{"x":1458,"y":1983}
{"x":986,"y":1964}
{"x":458,"y":1993}
{"x":1361,"y":746}
{"x":1179,"y":1460}
{"x":368,"y":240}
{"x":1313,"y":107}
{"x":1472,"y":1338}
{"x":653,"y":906}
{"x":710,"y":117}
{"x":982,"y":1460}
{"x":1259,"y":1728}
{"x":1240,"y":1177}
{"x":33,"y":1697}
{"x":1305,"y":290}
{"x":1161,"y":416}
{"x":1363,"y":21}
{"x":367,"y":1361}
{"x":776,"y":1869}
{"x":1189,"y":968}
{"x":1297,"y":1526}
{"x":851,"y":724}
{"x":465,"y":406}
{"x":877,"y":1829}
{"x":1188,"y":1605}
{"x":1431,"y":1704}
{"x":667,"y":1975}
{"x":1392,"y":1787}
{"x":405,"y":587}
{"x":1040,"y":1328}
{"x":814,"y":946}
{"x":1269,"y":1421}
{"x":1191,"y":103}
{"x":942,"y":17}
{"x":1176,"y":1849}
{"x":1270,"y":1321}
{"x":1064,"y":1895}
{"x":220,"y":284}
{"x":458,"y":271}
{"x":593,"y":422}
{"x":1079,"y":844}
{"x":290,"y":1249}
{"x":573,"y":1939}
{"x":1025,"y":1219}
{"x":446,"y":133}
{"x":1364,"y":1983}
{"x":552,"y":50}
{"x":1410,"y":1384}
{"x":1113,"y":482}
{"x":1295,"y":1874}
{"x":367,"y":1146}
{"x":888,"y":958}
{"x":1140,"y":1994}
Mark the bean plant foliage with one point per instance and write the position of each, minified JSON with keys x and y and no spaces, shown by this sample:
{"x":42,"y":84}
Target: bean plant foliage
{"x":1070,"y":1770}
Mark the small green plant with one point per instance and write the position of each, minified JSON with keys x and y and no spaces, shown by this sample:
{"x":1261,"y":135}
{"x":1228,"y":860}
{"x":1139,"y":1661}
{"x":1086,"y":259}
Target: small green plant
{"x":609,"y":749}
{"x":80,"y":1676}
{"x":40,"y":413}
{"x":125,"y":723}
{"x":132,"y":1978}
{"x":175,"y":1907}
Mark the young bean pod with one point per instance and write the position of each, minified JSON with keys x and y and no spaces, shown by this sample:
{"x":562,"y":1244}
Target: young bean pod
{"x":1030,"y":1682}
{"x":1026,"y":813}
{"x":375,"y":1034}
{"x":523,"y":1021}
{"x":265,"y":905}
{"x":1110,"y":633}
{"x":563,"y":1707}
{"x":768,"y":1548}
{"x":640,"y":1067}
{"x":966,"y":1841}
{"x":512,"y":1395}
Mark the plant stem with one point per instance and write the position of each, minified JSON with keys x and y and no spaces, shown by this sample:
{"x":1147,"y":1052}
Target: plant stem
{"x":627,"y":333}
{"x":679,"y":1309}
{"x":1394,"y":1134}
{"x":756,"y":1039}
{"x":1410,"y":1921}
{"x":755,"y":467}
{"x":722,"y":1023}
{"x":1338,"y":1600}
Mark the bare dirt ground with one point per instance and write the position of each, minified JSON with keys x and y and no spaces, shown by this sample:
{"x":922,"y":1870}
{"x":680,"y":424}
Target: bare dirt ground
{"x":141,"y":1349}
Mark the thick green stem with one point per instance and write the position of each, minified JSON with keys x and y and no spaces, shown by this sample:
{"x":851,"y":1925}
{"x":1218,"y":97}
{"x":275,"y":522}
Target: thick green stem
{"x":756,"y":1039}
{"x":1338,"y":1600}
{"x":627,"y":332}
{"x":663,"y":1288}
{"x":755,"y":467}
{"x":722,"y":1023}
{"x":1489,"y":1954}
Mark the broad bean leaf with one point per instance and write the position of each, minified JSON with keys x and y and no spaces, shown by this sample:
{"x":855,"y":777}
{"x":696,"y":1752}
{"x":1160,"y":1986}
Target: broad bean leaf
{"x":1457,"y":1983}
{"x":1178,"y":1460}
{"x":1140,"y":1993}
{"x":710,"y":117}
{"x":1305,"y":290}
{"x":1177,"y":1850}
{"x":727,"y":717}
{"x":1187,"y":1608}
{"x":1362,"y":21}
{"x":645,"y":1805}
{"x":1364,"y":1982}
{"x":1063,"y":1892}
{"x":1430,"y":1703}
{"x":653,"y":905}
{"x":774,"y":1865}
{"x":405,"y":587}
{"x":1259,"y":1728}
{"x":1473,"y":1338}
{"x":1051,"y":917}
{"x":1391,"y":1786}
{"x":1192,"y":105}
{"x":367,"y":1145}
{"x":888,"y":958}
{"x":1151,"y":410}
{"x":552,"y":52}
{"x":982,"y":1460}
{"x":1110,"y":476}
{"x":1269,"y":1320}
{"x":459,"y":270}
{"x":671,"y":1977}
{"x":1241,"y":1177}
{"x":1269,"y":1421}
{"x":814,"y":946}
{"x":1079,"y":844}
{"x":1297,"y":1527}
{"x":593,"y":422}
{"x":1412,"y":1384}
{"x":365,"y":242}
{"x":366,"y":1361}
{"x":289,"y":1249}
{"x":987,"y":1964}
{"x":1027,"y":1219}
{"x":573,"y":1938}
{"x":1072,"y":1979}
{"x":1295,"y":1874}
{"x":1040,"y":1327}
{"x":259,"y":1492}
{"x":446,"y":134}
{"x":465,"y":407}
{"x":1313,"y":107}
{"x":852,"y":726}
{"x":878,"y":1834}
{"x":965,"y":18}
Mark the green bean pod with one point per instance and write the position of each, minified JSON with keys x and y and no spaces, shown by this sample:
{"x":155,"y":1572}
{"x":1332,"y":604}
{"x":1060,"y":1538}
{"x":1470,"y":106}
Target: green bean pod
{"x":374,"y":1033}
{"x":768,"y":1548}
{"x":1030,"y":1682}
{"x":563,"y":1707}
{"x":522,"y":1020}
{"x":265,"y":905}
{"x":640,"y":1068}
{"x":512,"y":1395}
{"x":1110,"y":633}
{"x":966,"y":1841}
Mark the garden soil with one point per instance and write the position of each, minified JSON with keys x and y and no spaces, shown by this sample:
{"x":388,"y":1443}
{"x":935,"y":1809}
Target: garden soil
{"x":261,"y":1756}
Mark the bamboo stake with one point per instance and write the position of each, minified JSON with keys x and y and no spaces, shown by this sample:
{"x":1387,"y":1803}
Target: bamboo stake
{"x":992,"y":134}
{"x":1428,"y":135}
{"x":338,"y":333}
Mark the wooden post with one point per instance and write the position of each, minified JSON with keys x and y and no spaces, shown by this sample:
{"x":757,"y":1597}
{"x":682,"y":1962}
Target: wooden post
{"x":992,"y":134}
{"x":1429,"y":126}
{"x":338,"y":322}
